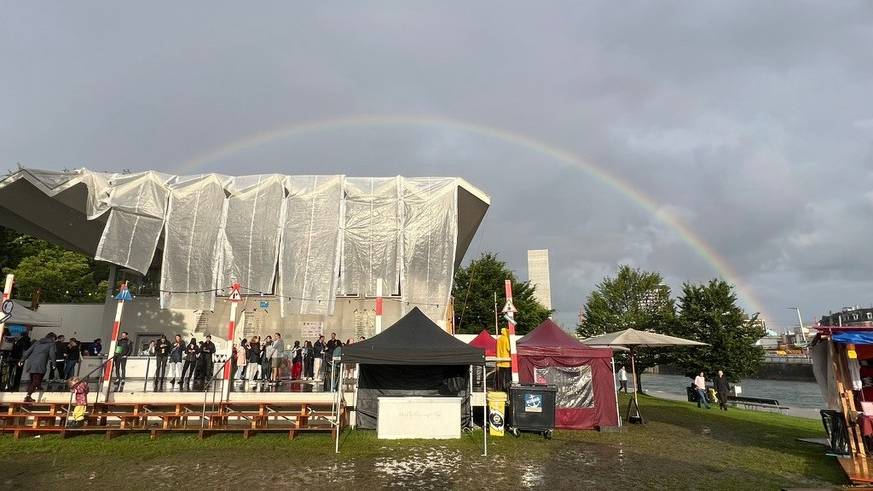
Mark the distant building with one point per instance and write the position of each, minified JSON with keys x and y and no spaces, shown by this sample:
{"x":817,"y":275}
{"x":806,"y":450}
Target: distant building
{"x":849,"y":316}
{"x":538,"y":274}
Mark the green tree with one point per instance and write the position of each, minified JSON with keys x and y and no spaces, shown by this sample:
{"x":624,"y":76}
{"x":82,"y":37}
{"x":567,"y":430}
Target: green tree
{"x":474,"y":289}
{"x":61,"y":275}
{"x":709,"y":313}
{"x":633,"y":299}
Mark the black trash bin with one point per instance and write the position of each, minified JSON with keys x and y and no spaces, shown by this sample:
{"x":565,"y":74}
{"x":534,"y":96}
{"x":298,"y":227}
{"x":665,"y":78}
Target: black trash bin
{"x":532,"y":408}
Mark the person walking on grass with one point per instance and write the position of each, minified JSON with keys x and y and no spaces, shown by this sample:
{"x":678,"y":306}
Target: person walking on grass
{"x":36,"y":359}
{"x":622,"y":379}
{"x":700,"y":387}
{"x":722,"y":387}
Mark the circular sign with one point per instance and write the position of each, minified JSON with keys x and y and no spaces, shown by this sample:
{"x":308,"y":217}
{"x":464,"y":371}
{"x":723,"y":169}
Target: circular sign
{"x":7,"y":307}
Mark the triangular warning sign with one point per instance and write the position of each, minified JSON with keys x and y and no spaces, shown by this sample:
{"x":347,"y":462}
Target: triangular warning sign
{"x":234,"y":295}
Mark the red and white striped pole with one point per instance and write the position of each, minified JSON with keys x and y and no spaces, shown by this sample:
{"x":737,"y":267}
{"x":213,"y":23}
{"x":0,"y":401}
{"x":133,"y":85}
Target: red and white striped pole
{"x":378,"y":305}
{"x":510,"y":311}
{"x":122,"y":297}
{"x":234,"y":299}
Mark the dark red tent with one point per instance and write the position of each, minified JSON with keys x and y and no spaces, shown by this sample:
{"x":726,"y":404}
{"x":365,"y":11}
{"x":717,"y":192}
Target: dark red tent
{"x":586,"y":387}
{"x":485,"y":341}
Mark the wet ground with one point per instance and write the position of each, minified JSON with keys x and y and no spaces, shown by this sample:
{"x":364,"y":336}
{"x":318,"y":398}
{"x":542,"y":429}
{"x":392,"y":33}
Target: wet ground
{"x":681,"y":447}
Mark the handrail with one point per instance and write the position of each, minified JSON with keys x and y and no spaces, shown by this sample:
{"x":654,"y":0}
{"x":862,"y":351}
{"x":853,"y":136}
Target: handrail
{"x":84,"y":380}
{"x":206,"y":389}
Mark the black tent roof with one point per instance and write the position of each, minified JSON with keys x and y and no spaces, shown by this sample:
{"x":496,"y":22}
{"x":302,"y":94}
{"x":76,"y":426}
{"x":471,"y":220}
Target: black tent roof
{"x":413,"y":340}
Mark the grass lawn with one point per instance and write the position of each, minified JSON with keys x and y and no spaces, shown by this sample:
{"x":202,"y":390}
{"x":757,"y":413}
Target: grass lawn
{"x":681,"y":447}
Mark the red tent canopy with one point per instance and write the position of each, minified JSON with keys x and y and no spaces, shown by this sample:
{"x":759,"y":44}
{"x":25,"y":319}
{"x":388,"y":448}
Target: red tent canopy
{"x":586,"y":398}
{"x":485,"y":341}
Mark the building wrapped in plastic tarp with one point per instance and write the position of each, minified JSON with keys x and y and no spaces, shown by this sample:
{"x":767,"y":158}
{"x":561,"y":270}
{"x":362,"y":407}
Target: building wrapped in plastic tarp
{"x":305,"y":239}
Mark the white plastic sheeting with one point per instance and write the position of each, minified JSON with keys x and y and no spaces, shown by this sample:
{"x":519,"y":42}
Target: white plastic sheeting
{"x":138,"y":204}
{"x":250,"y":239}
{"x":371,"y":245}
{"x":430,"y":235}
{"x":192,"y":257}
{"x":311,"y":234}
{"x":329,"y":234}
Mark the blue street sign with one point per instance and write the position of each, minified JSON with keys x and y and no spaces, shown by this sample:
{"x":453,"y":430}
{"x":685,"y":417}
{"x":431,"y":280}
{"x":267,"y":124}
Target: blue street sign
{"x":124,"y":295}
{"x":265,"y":305}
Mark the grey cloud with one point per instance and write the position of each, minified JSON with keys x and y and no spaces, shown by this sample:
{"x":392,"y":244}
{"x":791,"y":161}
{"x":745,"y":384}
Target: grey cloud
{"x":748,"y":121}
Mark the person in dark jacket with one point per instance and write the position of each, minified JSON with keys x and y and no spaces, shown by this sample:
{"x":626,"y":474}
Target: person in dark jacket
{"x":208,"y":351}
{"x":56,"y":370}
{"x":318,"y":354}
{"x":122,"y":351}
{"x":162,"y":354}
{"x":254,"y":360}
{"x":308,"y":358}
{"x":36,"y":359}
{"x":200,"y":367}
{"x":73,"y":355}
{"x":18,"y":348}
{"x":191,"y":352}
{"x":177,"y":353}
{"x":722,"y":387}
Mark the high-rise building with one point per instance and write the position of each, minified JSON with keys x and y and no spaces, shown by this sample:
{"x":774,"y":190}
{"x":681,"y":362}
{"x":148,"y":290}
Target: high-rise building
{"x":538,"y":275}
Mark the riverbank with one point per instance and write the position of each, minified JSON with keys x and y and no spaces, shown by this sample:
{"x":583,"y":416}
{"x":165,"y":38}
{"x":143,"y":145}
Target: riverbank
{"x":803,"y":399}
{"x":682,"y":447}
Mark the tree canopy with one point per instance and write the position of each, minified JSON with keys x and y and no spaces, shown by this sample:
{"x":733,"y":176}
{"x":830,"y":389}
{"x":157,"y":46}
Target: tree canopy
{"x":60,"y":275}
{"x":709,"y":313}
{"x":633,"y":299}
{"x":474,"y":289}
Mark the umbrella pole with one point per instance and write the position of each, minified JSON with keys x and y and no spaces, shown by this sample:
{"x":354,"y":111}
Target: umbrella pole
{"x":634,"y":402}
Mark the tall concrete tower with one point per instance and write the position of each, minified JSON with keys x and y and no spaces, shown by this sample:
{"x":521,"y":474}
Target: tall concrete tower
{"x":538,"y":274}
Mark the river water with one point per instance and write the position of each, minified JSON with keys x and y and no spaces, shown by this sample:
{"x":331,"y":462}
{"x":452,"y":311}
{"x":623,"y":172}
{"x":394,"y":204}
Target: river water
{"x":802,"y":398}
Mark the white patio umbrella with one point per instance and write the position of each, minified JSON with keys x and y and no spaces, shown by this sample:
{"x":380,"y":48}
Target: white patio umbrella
{"x":631,"y":339}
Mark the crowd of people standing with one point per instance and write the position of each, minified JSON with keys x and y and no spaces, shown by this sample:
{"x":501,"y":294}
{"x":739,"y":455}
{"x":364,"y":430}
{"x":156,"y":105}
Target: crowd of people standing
{"x":53,"y":358}
{"x":262,"y":361}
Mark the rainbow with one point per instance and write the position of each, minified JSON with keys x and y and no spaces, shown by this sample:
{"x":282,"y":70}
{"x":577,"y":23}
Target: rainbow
{"x":698,"y":244}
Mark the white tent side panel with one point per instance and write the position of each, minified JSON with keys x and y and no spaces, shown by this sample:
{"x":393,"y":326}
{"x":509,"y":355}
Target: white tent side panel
{"x":371,"y":241}
{"x":311,"y":234}
{"x":250,"y":239}
{"x":430,"y":236}
{"x":191,"y":247}
{"x":131,"y":234}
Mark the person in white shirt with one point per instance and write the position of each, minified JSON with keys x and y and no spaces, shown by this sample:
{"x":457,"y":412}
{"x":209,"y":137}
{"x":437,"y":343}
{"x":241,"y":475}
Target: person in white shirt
{"x":700,"y":387}
{"x":622,"y":379}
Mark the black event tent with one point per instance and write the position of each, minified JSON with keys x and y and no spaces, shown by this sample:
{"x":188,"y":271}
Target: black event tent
{"x":413,"y":357}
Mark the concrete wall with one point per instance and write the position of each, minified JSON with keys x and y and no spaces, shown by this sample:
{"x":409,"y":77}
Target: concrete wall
{"x":81,"y":321}
{"x":144,"y":318}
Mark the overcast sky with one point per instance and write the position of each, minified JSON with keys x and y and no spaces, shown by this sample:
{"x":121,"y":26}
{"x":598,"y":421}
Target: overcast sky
{"x":749,"y":122}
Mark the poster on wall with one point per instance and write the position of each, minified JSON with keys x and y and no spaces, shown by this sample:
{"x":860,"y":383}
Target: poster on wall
{"x":312,"y":330}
